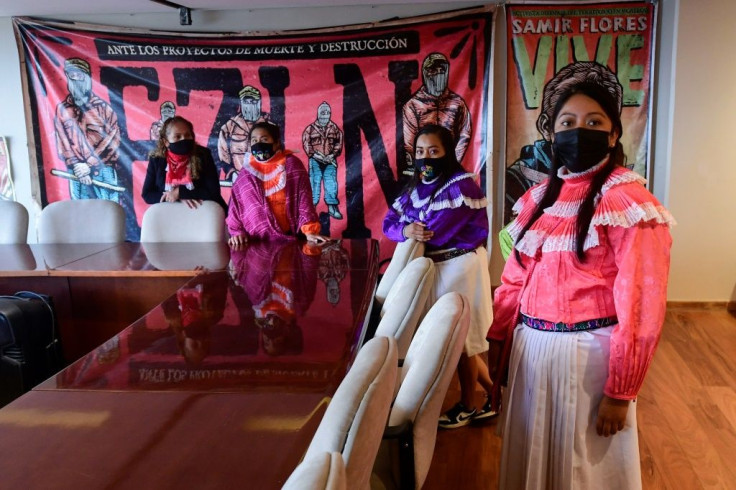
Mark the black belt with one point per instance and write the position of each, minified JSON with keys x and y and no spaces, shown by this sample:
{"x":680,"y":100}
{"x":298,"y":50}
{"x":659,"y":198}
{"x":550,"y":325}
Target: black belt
{"x":443,"y":255}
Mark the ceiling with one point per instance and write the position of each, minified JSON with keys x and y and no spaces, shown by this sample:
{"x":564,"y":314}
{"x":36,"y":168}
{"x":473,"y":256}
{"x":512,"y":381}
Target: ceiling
{"x":81,"y":7}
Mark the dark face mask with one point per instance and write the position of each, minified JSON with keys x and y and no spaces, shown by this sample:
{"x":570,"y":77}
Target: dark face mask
{"x":181,"y":147}
{"x":429,"y":168}
{"x":262,"y":151}
{"x":580,"y":149}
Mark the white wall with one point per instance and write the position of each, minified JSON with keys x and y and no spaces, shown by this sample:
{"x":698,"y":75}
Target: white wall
{"x":702,"y":184}
{"x":692,"y":175}
{"x":272,"y":19}
{"x":12,"y":121}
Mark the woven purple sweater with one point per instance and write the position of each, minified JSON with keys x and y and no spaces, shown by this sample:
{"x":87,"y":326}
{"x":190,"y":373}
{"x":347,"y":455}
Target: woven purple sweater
{"x":456,"y":214}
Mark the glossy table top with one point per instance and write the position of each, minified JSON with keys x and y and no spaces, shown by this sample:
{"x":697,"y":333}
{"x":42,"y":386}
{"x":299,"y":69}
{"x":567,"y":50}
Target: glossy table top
{"x":148,"y":259}
{"x":113,"y":440}
{"x":223,"y":383}
{"x":38,"y":259}
{"x":171,"y":259}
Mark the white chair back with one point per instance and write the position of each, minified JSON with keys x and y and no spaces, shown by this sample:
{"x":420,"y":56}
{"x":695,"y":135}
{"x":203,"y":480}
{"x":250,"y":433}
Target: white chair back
{"x":324,"y":471}
{"x":176,"y":222}
{"x":404,"y":253}
{"x":355,"y":419}
{"x":428,"y":369}
{"x":189,"y":256}
{"x":82,"y":221}
{"x":14,"y":223}
{"x":406,"y":302}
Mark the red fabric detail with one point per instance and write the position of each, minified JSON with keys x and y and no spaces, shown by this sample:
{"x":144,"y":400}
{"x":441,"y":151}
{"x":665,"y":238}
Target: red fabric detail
{"x":190,"y":304}
{"x":177,"y":171}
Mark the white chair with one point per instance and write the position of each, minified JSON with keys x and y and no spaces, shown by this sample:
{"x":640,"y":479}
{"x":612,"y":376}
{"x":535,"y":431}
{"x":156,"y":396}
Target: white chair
{"x":406,"y":303}
{"x":176,"y":222}
{"x":19,"y":257}
{"x":406,"y":452}
{"x":14,"y":228}
{"x":210,"y":256}
{"x":82,"y":221}
{"x":355,"y":419}
{"x":324,"y":471}
{"x":404,"y":253}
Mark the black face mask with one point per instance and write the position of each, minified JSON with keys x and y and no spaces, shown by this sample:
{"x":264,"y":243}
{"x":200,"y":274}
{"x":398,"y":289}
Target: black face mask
{"x":580,"y":149}
{"x":430,"y":168}
{"x":262,"y":151}
{"x":181,"y":147}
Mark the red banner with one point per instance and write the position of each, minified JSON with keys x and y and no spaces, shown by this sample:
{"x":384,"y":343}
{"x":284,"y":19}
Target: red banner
{"x":551,"y":47}
{"x":352,"y":96}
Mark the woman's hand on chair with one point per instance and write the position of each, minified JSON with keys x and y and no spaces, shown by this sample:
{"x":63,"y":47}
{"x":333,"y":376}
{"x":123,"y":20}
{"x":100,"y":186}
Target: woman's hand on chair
{"x":192,"y":203}
{"x":171,"y":195}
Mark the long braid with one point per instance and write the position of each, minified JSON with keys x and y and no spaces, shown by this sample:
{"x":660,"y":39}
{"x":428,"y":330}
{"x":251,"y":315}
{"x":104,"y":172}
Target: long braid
{"x":554,"y":185}
{"x":587,"y":207}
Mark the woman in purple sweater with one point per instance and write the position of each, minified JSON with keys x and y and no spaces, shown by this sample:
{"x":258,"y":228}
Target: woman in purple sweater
{"x":445,"y":209}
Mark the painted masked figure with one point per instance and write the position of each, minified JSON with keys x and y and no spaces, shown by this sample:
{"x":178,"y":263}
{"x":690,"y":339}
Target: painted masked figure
{"x":334,"y":264}
{"x":434,"y":103}
{"x":322,"y":140}
{"x":168,"y":110}
{"x":234,"y":140}
{"x":87,"y":136}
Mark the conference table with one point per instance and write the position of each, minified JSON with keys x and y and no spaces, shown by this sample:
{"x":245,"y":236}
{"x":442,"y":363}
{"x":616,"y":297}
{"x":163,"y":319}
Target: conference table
{"x":99,"y":289}
{"x":221,"y":384}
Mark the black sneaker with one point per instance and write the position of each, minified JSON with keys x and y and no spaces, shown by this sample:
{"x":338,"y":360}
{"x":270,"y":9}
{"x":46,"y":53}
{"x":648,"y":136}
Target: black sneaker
{"x":455,"y":417}
{"x":486,"y":412}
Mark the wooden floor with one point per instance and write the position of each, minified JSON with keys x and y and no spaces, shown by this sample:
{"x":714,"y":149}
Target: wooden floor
{"x":686,"y":415}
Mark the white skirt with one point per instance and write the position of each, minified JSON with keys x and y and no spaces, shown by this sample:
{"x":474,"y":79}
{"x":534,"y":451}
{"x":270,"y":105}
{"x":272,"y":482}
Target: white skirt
{"x":549,"y":438}
{"x":468,"y":275}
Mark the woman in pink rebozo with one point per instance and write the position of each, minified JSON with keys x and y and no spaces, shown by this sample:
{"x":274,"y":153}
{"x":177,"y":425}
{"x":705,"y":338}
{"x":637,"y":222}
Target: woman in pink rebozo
{"x":272,"y":197}
{"x":580,"y":309}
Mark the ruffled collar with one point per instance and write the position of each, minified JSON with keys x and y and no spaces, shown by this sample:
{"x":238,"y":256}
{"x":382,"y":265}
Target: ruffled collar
{"x":620,"y":203}
{"x":269,"y":169}
{"x":271,"y":173}
{"x":571,"y":177}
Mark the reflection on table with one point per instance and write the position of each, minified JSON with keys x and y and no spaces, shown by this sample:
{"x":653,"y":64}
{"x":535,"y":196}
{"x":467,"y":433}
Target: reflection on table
{"x":222,"y":385}
{"x":148,"y":259}
{"x":284,"y":314}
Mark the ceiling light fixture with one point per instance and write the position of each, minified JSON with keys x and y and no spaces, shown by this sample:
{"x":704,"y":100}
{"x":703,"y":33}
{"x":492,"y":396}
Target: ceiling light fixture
{"x":185,"y":13}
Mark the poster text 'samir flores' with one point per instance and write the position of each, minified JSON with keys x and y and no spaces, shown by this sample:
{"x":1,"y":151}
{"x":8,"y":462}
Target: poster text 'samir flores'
{"x":549,"y":47}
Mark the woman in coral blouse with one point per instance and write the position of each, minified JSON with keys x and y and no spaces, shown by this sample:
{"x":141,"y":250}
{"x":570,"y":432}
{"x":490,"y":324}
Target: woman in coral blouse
{"x":272,"y":198}
{"x":583,"y":298}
